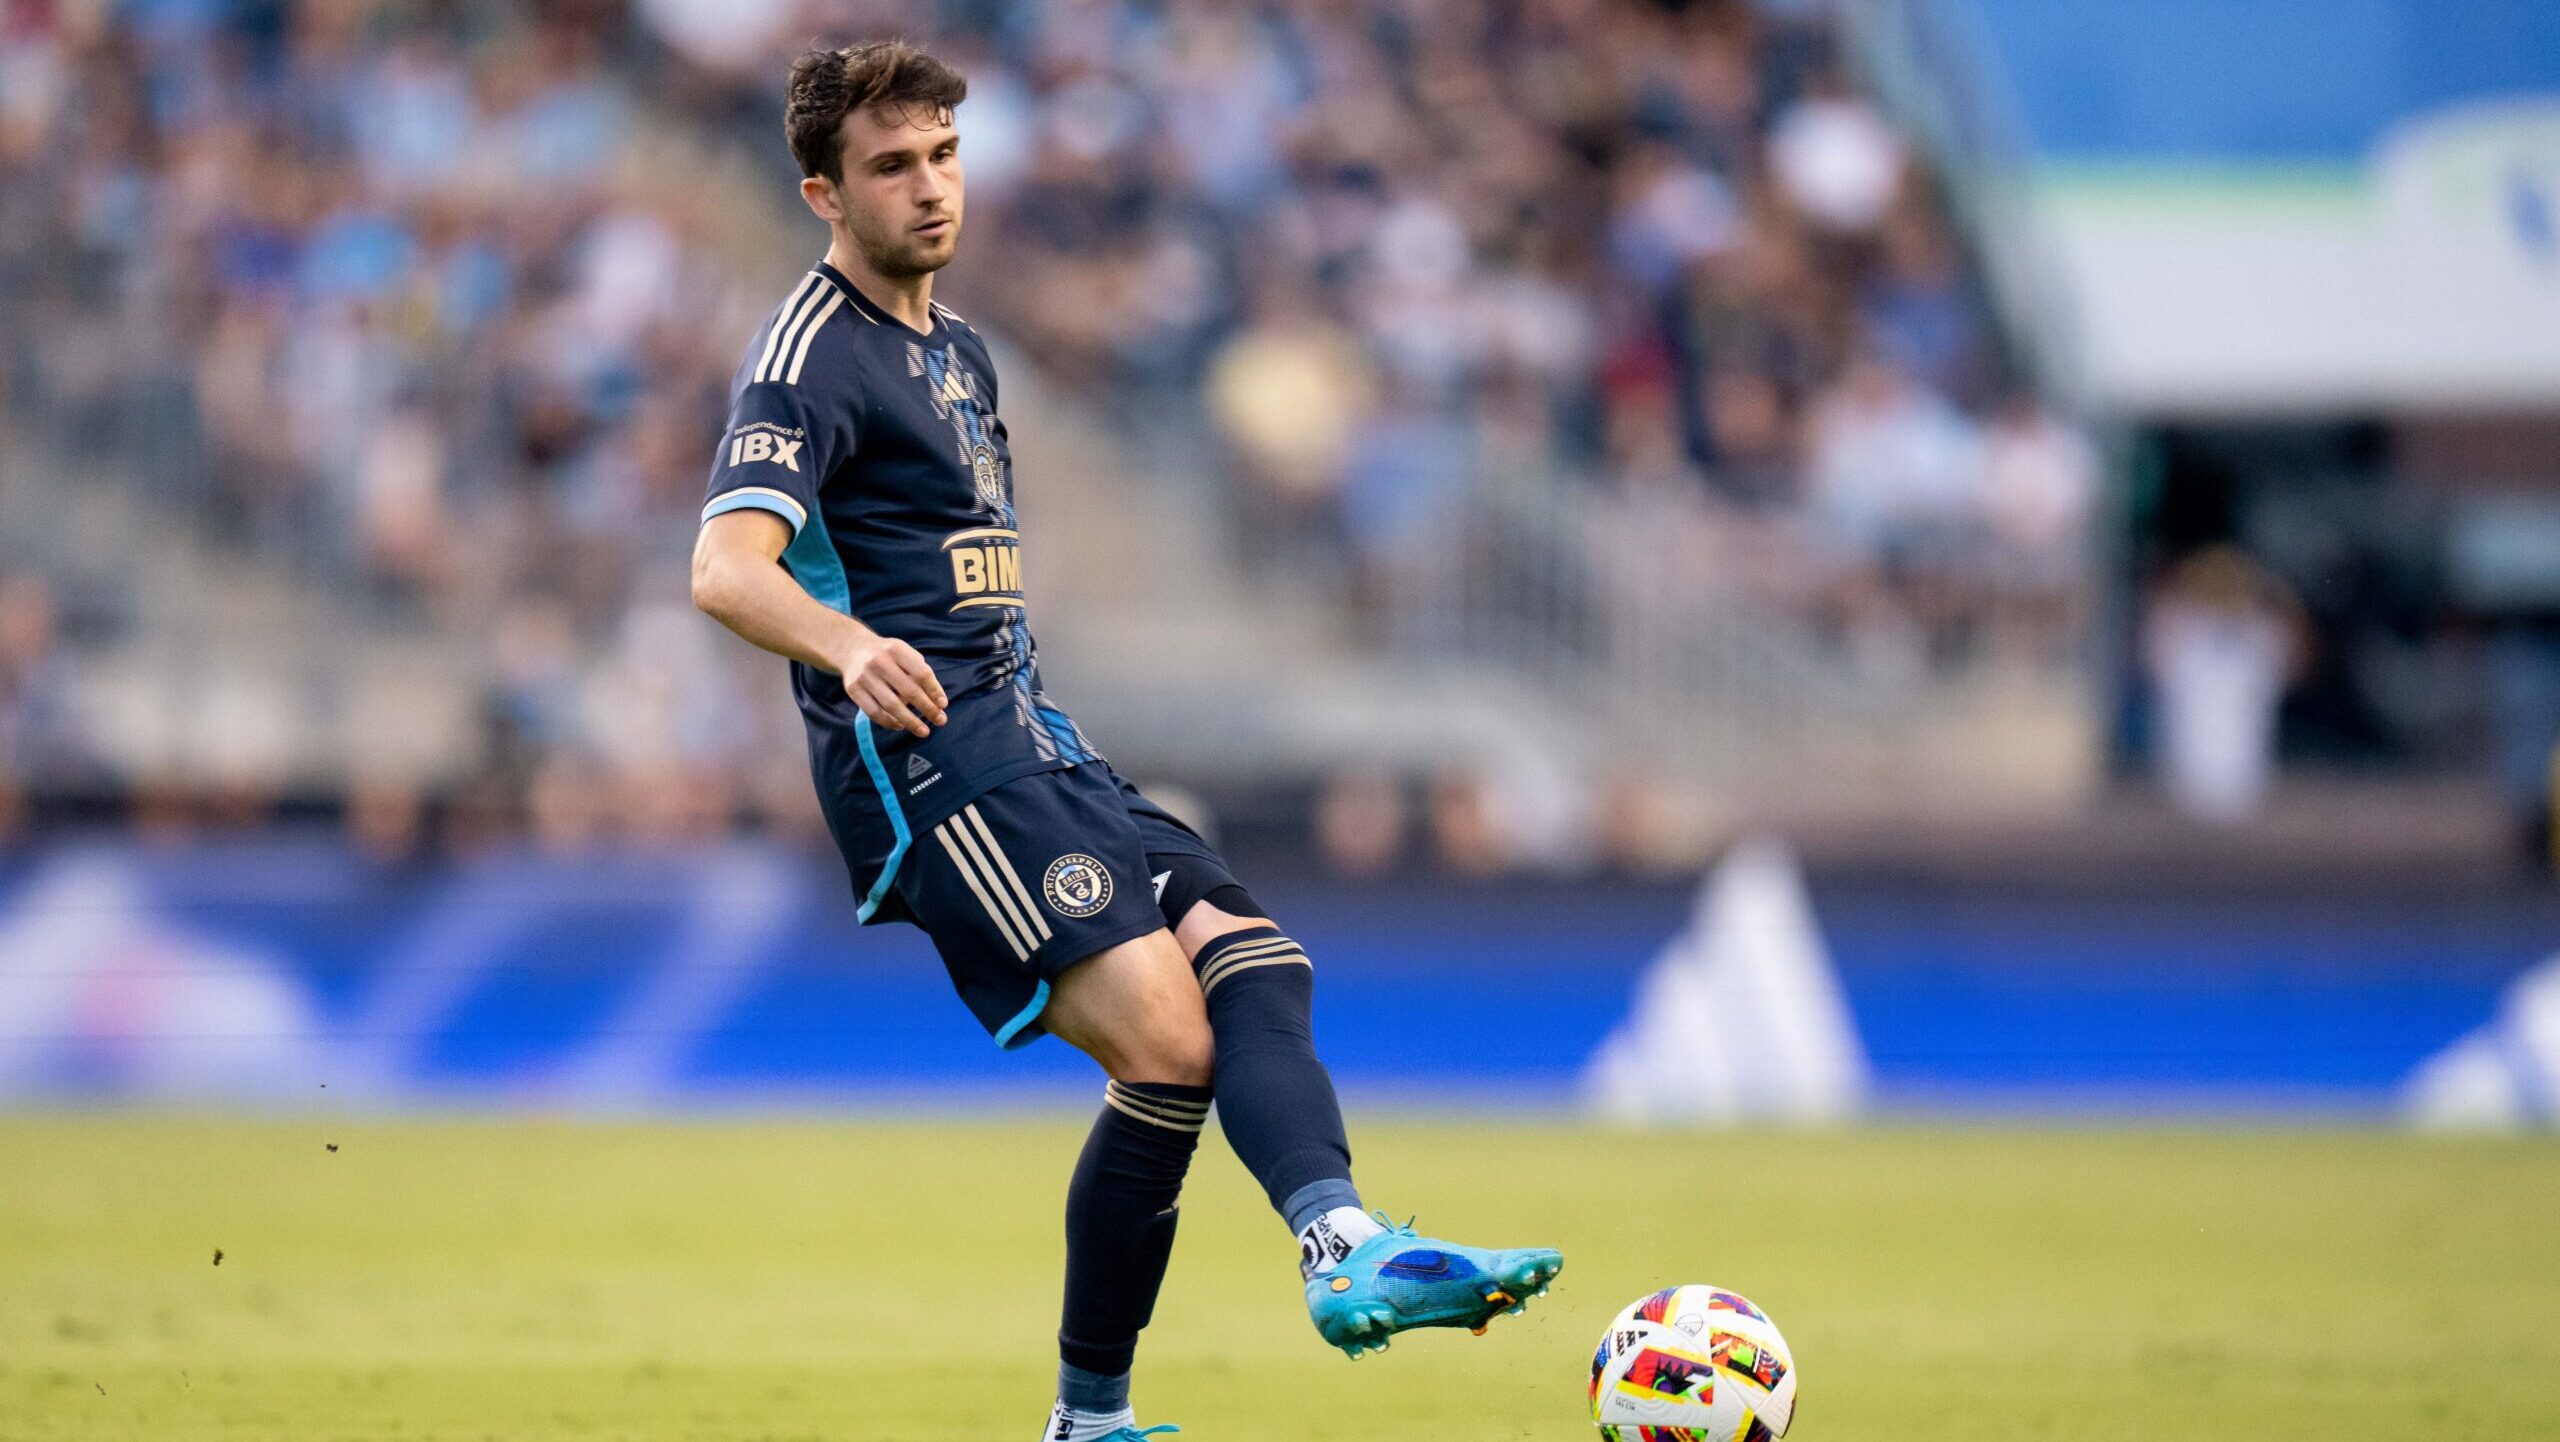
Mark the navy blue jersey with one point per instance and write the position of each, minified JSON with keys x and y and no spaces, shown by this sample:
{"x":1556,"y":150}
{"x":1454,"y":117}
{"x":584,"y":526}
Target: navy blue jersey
{"x":881,"y":448}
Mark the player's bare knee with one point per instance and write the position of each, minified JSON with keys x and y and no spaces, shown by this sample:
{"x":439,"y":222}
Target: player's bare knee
{"x":1181,"y":1050}
{"x":1161,"y":1040}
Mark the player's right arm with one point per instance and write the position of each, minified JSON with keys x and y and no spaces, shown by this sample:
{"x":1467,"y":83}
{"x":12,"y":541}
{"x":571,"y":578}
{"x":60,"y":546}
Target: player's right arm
{"x":738,"y":580}
{"x":766,"y":473}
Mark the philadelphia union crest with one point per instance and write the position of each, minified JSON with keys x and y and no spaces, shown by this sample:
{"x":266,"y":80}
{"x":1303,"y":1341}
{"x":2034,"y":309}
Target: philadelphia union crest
{"x":1076,"y":885}
{"x":988,"y":475}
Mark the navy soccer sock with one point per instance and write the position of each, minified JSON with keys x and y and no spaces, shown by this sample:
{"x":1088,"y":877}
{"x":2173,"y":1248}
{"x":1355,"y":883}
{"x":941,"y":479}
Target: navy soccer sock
{"x":1275,"y":1099}
{"x":1120,"y":1220}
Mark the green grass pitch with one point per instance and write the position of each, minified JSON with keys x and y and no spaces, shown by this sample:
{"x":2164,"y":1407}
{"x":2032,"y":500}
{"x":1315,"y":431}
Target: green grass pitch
{"x":718,"y":1281}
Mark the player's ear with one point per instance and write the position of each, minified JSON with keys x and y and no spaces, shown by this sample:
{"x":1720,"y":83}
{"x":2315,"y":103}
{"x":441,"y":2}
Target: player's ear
{"x":823,"y":197}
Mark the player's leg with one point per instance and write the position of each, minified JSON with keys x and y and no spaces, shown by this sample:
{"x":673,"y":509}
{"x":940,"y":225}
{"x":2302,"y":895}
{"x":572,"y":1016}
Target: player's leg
{"x":1134,"y":1009}
{"x":1036,"y":897}
{"x":1276,"y":1101}
{"x":1365,"y":1281}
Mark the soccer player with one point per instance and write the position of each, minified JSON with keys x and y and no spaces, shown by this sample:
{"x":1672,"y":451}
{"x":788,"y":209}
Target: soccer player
{"x":860,"y":522}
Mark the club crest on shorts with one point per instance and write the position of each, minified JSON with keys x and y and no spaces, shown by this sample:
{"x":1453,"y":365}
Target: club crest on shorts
{"x":1076,"y":885}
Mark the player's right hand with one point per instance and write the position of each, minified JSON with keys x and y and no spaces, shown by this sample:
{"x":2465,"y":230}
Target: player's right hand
{"x":893,"y":685}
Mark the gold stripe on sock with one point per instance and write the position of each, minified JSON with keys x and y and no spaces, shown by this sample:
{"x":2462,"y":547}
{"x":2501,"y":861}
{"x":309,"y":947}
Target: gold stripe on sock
{"x":1246,"y":958}
{"x":1211,"y":984}
{"x":1113,"y":1101}
{"x":1163,"y":1106}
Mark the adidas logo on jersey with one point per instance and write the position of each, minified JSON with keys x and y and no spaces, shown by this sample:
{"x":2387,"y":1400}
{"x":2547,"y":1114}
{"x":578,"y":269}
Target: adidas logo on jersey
{"x":917,"y":766}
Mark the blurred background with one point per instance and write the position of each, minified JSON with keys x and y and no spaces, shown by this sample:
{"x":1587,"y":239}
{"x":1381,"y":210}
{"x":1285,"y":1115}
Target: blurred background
{"x":1920,"y":555}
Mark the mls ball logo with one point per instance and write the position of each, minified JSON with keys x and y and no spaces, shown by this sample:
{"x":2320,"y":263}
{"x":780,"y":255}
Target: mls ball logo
{"x":987,"y":474}
{"x":1076,"y":885}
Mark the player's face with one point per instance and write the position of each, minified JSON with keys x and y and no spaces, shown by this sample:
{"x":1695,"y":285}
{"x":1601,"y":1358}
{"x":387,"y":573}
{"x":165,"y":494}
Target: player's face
{"x":902,"y":189}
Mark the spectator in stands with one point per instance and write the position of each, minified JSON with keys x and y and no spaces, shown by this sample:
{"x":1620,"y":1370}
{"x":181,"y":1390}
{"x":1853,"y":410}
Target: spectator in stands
{"x":44,"y":741}
{"x":2039,"y":488}
{"x":1289,"y":393}
{"x":1894,"y":480}
{"x":1836,"y":160}
{"x":1360,"y":822}
{"x":1917,"y":307}
{"x":2223,"y":639}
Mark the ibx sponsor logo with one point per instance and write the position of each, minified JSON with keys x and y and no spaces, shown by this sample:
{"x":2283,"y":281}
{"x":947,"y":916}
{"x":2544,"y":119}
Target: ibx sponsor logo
{"x":765,"y":441}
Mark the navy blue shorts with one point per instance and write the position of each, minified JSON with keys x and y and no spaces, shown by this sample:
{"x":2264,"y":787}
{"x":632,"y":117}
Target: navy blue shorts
{"x":1038,"y":874}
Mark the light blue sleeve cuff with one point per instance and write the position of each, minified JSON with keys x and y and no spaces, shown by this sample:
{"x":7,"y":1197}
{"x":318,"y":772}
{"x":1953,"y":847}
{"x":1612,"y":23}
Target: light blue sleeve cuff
{"x":759,"y":498}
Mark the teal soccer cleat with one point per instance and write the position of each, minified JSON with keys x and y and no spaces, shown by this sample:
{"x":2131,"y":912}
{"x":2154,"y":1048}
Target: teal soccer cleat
{"x":1139,"y":1434}
{"x":1397,"y":1280}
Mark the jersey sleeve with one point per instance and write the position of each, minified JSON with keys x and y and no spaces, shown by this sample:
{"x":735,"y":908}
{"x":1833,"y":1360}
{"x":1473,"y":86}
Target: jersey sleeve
{"x":774,"y":455}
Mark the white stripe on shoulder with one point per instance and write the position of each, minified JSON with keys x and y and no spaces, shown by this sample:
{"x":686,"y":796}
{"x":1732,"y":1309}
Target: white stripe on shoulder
{"x":809,"y":332}
{"x":947,"y":313}
{"x":812,"y":295}
{"x":782,"y":321}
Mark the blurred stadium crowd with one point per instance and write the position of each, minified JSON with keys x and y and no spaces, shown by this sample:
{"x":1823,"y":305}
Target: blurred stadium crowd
{"x":435,"y":304}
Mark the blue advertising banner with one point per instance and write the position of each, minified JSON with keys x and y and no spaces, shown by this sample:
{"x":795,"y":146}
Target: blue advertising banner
{"x":296,"y":973}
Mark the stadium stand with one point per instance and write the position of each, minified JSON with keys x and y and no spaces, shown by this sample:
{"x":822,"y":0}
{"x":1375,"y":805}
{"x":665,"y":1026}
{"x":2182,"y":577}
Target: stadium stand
{"x":361,"y":358}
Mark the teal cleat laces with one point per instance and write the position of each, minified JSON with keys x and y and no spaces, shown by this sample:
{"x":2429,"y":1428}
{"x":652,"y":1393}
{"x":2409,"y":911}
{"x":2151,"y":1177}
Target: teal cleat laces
{"x":1398,"y":1280}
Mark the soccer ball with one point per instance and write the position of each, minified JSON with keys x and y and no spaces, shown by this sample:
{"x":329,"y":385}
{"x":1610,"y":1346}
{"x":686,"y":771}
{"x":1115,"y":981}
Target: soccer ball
{"x":1693,"y":1364}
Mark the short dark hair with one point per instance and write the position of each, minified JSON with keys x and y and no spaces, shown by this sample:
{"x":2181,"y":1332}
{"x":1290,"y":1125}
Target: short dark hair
{"x":828,"y":85}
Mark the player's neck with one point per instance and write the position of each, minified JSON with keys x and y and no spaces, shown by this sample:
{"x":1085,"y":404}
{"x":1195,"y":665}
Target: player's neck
{"x":906,"y":299}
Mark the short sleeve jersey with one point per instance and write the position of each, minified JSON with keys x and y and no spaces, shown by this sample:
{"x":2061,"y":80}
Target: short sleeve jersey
{"x":880,"y":447}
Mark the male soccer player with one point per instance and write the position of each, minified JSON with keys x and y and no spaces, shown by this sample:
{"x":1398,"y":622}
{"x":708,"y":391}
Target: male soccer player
{"x":864,"y":456}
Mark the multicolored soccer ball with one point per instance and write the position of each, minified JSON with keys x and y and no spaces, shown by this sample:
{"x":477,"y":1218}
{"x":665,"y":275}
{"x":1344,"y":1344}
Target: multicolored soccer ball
{"x":1693,"y":1364}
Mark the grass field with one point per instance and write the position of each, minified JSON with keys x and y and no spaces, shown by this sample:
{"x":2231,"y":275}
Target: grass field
{"x":530,"y":1281}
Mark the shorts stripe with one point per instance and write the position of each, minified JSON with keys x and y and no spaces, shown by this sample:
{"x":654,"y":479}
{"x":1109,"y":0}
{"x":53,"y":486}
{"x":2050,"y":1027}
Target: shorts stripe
{"x":969,"y":874}
{"x":994,"y":887}
{"x":1010,"y":1034}
{"x":1000,"y":898}
{"x":1030,"y":910}
{"x":897,"y":819}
